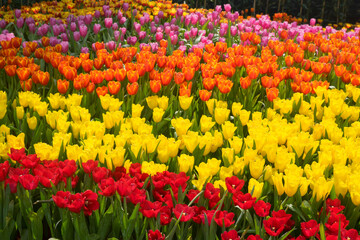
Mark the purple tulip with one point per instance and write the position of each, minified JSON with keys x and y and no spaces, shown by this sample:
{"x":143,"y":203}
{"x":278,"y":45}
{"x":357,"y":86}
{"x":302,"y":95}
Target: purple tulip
{"x":73,"y":27}
{"x":64,"y":37}
{"x":111,"y":45}
{"x":97,"y":28}
{"x":227,"y":7}
{"x":17,"y":13}
{"x":52,"y":21}
{"x":193,"y":32}
{"x":32,"y":28}
{"x":187,"y":20}
{"x":194,"y":19}
{"x":88,"y":19}
{"x":125,"y":6}
{"x":108,"y":13}
{"x":97,"y":14}
{"x":119,"y":15}
{"x":83,"y":30}
{"x":174,"y":39}
{"x":137,"y":27}
{"x":76,"y":36}
{"x":108,"y":22}
{"x":233,"y":31}
{"x":218,"y":8}
{"x":123,"y":30}
{"x":20,"y":22}
{"x":182,"y":48}
{"x":154,"y":46}
{"x":105,"y":8}
{"x":179,"y":12}
{"x":142,"y":21}
{"x":132,"y":40}
{"x":156,"y":19}
{"x":56,"y":30}
{"x":210,"y":26}
{"x":64,"y":46}
{"x":167,"y":30}
{"x":222,"y":32}
{"x":158,"y":36}
{"x":122,"y":20}
{"x":210,"y":36}
{"x":312,"y":22}
{"x":115,"y":26}
{"x":153,"y":29}
{"x":160,"y":14}
{"x":84,"y":50}
{"x":134,"y":12}
{"x":116,"y":35}
{"x":53,"y":41}
{"x":142,"y":35}
{"x":202,"y":21}
{"x":187,"y":35}
{"x":29,"y":20}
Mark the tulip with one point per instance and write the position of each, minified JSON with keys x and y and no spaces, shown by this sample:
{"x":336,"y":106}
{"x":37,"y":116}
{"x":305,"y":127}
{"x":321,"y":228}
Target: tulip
{"x":185,"y":102}
{"x":20,"y":22}
{"x":83,"y":30}
{"x":32,"y":122}
{"x":158,"y":114}
{"x":108,"y":22}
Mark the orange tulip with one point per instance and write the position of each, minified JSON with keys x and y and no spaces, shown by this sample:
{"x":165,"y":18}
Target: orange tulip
{"x":279,"y":49}
{"x":39,"y":53}
{"x":339,"y":70}
{"x":355,"y":80}
{"x":155,"y":86}
{"x":161,"y":61}
{"x":204,"y":95}
{"x":272,"y":93}
{"x":26,"y":85}
{"x":179,"y":77}
{"x":87,"y":65}
{"x":98,"y":63}
{"x":245,"y":82}
{"x":172,"y":62}
{"x":166,"y":76}
{"x":266,"y":81}
{"x":132,"y":88}
{"x":284,"y":34}
{"x":62,"y":86}
{"x":108,"y":75}
{"x":253,"y":72}
{"x":209,"y":83}
{"x":77,"y":83}
{"x":70,"y":73}
{"x":90,"y":88}
{"x":227,"y":69}
{"x":221,"y":47}
{"x":133,"y":76}
{"x":185,"y":89}
{"x":2,"y":62}
{"x":23,"y":73}
{"x":317,"y":67}
{"x":76,"y":63}
{"x":307,"y":76}
{"x":101,"y":91}
{"x":346,"y":77}
{"x":289,"y":60}
{"x":114,"y":87}
{"x":22,"y":61}
{"x":141,"y":69}
{"x":305,"y":87}
{"x":27,"y":51}
{"x":96,"y":76}
{"x":45,"y":41}
{"x":225,"y":86}
{"x":43,"y":77}
{"x":5,"y":44}
{"x":10,"y":70}
{"x":189,"y":73}
{"x":295,"y":87}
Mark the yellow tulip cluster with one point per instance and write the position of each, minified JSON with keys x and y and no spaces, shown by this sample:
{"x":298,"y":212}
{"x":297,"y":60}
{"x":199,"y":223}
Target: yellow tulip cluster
{"x":310,"y":146}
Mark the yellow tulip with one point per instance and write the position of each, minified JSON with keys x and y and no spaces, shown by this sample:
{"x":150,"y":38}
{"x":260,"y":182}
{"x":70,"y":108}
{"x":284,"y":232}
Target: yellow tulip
{"x":185,"y":102}
{"x":228,"y":130}
{"x":158,"y":114}
{"x":20,"y":112}
{"x":255,"y":188}
{"x":186,"y":163}
{"x":221,"y":115}
{"x":32,"y":122}
{"x":152,"y":101}
{"x":163,"y":102}
{"x":206,"y":123}
{"x":136,"y":110}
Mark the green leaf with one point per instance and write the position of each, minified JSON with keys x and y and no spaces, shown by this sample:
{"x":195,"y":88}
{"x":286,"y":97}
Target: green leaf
{"x":105,"y":223}
{"x":287,"y":234}
{"x":131,"y":222}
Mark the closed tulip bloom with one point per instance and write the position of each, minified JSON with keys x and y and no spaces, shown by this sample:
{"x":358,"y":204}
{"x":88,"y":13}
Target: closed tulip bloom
{"x":20,"y":112}
{"x":185,"y":102}
{"x":32,"y":122}
{"x":136,"y":110}
{"x":158,"y":114}
{"x":255,"y":188}
{"x":221,"y":115}
{"x":206,"y":123}
{"x":228,"y":130}
{"x":186,"y":163}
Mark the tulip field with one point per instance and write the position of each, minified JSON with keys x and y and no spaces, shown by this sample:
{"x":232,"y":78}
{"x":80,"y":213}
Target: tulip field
{"x":151,"y":120}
